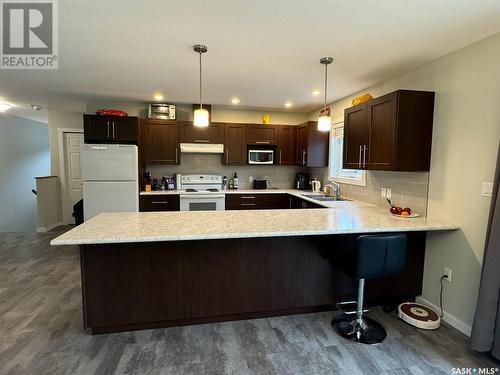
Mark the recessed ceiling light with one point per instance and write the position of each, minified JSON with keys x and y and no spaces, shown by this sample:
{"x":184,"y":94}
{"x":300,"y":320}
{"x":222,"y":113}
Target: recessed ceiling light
{"x":316,"y":92}
{"x":5,"y":106}
{"x":36,"y":107}
{"x":158,"y":97}
{"x":288,"y":104}
{"x":235,"y":100}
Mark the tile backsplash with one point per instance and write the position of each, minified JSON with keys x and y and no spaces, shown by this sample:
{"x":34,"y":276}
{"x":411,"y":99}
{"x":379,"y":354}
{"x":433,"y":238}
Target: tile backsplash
{"x":280,"y":176}
{"x":409,"y":189}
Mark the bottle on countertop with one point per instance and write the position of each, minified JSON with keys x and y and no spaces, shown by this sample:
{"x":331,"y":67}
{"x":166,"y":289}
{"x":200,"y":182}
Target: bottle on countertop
{"x":224,"y":183}
{"x":235,"y":181}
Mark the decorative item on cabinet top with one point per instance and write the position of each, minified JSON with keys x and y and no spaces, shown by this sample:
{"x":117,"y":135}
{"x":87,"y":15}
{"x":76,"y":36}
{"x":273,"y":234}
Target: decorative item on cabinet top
{"x":362,"y":99}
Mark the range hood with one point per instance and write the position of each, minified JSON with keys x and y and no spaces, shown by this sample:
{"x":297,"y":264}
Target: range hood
{"x":202,"y":148}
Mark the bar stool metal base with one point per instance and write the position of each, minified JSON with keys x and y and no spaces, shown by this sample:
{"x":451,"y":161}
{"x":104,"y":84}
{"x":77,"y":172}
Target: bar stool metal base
{"x":364,"y":330}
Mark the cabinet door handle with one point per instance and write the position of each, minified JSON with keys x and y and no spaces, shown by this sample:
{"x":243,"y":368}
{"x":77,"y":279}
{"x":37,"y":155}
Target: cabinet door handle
{"x":201,"y":140}
{"x":303,"y":157}
{"x":113,"y":130}
{"x":176,"y":155}
{"x":364,"y":155}
{"x":247,"y":204}
{"x":280,"y":156}
{"x":107,"y":125}
{"x":359,"y":161}
{"x":159,"y":202}
{"x":262,"y":142}
{"x":227,"y":156}
{"x":248,"y":197}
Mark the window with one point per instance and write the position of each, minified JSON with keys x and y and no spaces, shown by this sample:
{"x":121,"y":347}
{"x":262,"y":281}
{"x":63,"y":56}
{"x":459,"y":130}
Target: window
{"x":336,"y":172}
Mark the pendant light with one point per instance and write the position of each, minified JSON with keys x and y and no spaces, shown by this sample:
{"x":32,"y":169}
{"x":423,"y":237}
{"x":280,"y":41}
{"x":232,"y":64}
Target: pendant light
{"x":200,"y":114}
{"x":324,"y":119}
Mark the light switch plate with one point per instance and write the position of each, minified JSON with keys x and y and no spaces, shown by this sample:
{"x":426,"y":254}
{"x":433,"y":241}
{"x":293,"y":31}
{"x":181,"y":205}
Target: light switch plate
{"x":383,"y":194}
{"x":487,"y":189}
{"x":388,"y":193}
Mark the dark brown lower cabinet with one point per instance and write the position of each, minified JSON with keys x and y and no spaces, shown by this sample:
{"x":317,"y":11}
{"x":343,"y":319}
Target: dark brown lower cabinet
{"x":259,"y":201}
{"x":147,"y":285}
{"x":159,"y":202}
{"x":296,"y":202}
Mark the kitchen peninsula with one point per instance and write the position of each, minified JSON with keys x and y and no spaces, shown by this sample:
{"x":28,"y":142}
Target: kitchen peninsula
{"x":155,"y":269}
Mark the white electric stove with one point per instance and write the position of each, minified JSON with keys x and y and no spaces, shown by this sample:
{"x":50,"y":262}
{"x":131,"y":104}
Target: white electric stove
{"x":201,"y":193}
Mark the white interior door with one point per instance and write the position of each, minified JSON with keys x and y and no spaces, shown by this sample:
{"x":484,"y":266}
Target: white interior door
{"x":73,"y":173}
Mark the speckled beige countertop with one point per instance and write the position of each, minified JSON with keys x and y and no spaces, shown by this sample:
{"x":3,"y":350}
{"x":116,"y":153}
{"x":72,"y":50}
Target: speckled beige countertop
{"x":342,"y":217}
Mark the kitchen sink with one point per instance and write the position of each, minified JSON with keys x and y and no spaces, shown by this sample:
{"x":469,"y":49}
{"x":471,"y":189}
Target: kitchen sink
{"x":324,"y":198}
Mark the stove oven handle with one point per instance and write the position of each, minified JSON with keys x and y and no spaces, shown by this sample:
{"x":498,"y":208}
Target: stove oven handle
{"x":201,"y":196}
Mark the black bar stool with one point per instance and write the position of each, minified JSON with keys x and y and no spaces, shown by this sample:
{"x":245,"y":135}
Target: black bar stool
{"x":375,"y":256}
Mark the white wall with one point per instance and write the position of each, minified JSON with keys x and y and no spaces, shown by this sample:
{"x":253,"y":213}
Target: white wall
{"x":465,"y":142}
{"x":24,"y":154}
{"x":219,"y":113}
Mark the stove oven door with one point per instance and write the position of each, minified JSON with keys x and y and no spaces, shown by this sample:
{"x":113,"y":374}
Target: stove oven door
{"x":202,"y":202}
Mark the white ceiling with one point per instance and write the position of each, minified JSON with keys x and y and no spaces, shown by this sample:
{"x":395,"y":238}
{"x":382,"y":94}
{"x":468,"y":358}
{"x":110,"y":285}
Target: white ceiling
{"x":265,"y":52}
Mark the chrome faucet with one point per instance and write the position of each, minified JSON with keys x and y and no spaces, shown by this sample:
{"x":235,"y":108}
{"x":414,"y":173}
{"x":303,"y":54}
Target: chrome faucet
{"x":332,"y":186}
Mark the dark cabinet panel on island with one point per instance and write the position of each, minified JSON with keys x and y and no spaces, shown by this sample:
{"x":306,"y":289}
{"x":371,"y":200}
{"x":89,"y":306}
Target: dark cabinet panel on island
{"x":390,"y":133}
{"x":110,"y":129}
{"x":159,"y":142}
{"x":159,"y":202}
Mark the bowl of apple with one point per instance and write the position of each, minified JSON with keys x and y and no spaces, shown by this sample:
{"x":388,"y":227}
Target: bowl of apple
{"x":402,"y":212}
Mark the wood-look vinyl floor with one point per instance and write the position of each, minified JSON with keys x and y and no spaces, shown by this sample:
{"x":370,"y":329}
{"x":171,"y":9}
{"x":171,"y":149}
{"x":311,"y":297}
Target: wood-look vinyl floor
{"x":41,"y":333}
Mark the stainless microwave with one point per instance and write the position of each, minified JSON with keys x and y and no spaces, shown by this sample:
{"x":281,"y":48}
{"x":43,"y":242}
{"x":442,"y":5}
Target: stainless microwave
{"x":260,"y":156}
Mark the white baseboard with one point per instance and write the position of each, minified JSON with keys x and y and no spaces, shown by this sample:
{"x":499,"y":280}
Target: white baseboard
{"x":448,"y":318}
{"x":50,"y":227}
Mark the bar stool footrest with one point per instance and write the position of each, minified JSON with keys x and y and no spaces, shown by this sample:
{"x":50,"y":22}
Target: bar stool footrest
{"x":349,"y":307}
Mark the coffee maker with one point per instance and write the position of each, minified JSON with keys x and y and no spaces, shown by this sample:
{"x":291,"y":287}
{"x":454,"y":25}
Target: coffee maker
{"x":301,"y":181}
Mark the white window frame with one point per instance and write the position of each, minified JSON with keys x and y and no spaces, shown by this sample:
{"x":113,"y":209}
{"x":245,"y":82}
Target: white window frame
{"x":361,"y":181}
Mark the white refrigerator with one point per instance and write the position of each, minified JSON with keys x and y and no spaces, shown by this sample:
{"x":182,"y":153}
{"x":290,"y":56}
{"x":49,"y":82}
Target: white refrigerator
{"x":109,"y":179}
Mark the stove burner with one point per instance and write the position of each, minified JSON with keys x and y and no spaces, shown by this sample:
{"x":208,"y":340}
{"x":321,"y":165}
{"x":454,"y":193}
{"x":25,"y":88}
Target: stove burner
{"x":191,"y":190}
{"x":213,"y":190}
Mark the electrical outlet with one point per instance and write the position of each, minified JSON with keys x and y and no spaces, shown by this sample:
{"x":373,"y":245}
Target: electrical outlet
{"x":388,"y":193}
{"x":447,"y":272}
{"x":250,"y":179}
{"x":383,"y":194}
{"x":487,"y":190}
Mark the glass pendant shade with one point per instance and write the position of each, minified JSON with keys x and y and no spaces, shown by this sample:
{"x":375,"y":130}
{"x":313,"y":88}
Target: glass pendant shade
{"x":324,"y":123}
{"x":324,"y":119}
{"x":200,"y":117}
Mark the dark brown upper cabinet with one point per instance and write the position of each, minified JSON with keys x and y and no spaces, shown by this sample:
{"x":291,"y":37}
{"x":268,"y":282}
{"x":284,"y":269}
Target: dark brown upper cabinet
{"x":234,"y":144}
{"x":311,"y":145}
{"x":110,"y":129}
{"x":261,"y":134}
{"x":214,"y":133}
{"x":391,"y":133}
{"x":159,"y":142}
{"x":286,"y":145}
